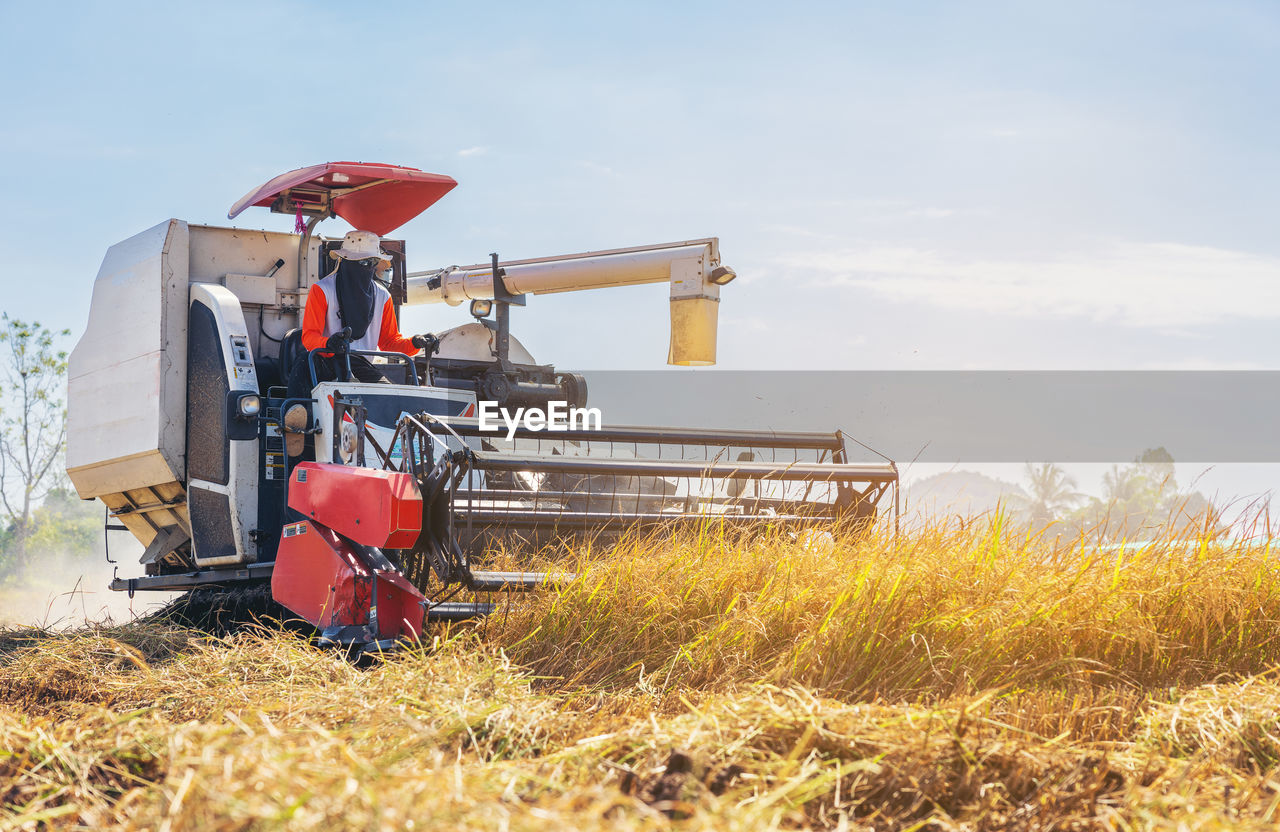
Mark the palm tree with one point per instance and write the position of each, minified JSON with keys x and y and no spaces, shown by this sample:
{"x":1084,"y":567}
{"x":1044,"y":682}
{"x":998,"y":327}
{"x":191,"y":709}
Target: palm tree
{"x":1052,"y":492}
{"x":1139,"y":496}
{"x":1124,"y":485}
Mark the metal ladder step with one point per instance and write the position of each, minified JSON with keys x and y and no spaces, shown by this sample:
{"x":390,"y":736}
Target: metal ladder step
{"x":458,"y":611}
{"x":517,"y":581}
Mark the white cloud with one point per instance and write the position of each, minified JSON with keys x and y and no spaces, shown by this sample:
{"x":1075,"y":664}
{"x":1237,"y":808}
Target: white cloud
{"x":596,"y":167}
{"x":928,"y":213}
{"x":1205,"y":364}
{"x":473,"y":151}
{"x":795,"y":231}
{"x":1150,"y":285}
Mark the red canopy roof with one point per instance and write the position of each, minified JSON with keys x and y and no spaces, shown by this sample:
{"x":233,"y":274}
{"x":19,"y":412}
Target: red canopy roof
{"x":371,"y":196}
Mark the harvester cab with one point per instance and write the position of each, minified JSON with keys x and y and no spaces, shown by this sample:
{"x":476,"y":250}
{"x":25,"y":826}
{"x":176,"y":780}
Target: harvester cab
{"x":181,"y":423}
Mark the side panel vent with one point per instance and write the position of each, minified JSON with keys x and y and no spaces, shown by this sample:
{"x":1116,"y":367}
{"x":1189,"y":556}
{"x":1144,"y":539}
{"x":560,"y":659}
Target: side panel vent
{"x":207,"y":446}
{"x":211,"y":523}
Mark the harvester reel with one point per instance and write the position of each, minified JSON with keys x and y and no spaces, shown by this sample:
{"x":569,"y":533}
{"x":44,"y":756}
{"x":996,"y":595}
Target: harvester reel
{"x":540,"y":488}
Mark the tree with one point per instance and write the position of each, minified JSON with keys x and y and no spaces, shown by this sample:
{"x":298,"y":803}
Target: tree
{"x":1129,"y":486}
{"x":1157,"y":467}
{"x":1142,"y":500}
{"x":1051,"y":493}
{"x":34,"y":426}
{"x":65,"y":525}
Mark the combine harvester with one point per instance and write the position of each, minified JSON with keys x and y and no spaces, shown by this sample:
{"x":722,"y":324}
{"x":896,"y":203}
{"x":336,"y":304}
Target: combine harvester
{"x":179,"y":420}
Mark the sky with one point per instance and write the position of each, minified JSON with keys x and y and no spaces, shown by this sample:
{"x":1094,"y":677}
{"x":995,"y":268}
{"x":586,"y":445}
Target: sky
{"x":915,"y":185}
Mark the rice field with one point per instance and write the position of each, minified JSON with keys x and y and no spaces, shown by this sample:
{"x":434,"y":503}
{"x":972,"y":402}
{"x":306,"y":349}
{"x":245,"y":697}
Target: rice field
{"x":942,"y":679}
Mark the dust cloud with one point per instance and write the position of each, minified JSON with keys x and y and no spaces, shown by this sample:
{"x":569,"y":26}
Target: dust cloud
{"x":62,"y":592}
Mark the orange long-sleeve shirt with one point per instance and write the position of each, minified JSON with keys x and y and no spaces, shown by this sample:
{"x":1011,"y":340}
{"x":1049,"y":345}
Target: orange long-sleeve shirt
{"x":313,"y":325}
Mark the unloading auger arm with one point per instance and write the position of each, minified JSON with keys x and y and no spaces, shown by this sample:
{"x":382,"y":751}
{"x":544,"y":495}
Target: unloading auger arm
{"x":692,"y":267}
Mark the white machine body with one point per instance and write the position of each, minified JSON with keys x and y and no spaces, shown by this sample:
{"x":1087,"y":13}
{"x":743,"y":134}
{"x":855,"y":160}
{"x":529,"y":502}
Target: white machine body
{"x":222,"y":477}
{"x":184,"y":316}
{"x":384,"y":405}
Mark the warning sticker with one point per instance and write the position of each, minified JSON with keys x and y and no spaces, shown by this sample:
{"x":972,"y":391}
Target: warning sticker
{"x":294,"y":529}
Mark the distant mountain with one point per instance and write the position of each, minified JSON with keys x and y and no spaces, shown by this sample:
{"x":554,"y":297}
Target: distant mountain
{"x":965,"y":493}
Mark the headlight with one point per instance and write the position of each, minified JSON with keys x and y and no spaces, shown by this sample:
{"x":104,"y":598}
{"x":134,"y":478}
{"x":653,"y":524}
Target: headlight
{"x":721,"y":275}
{"x":250,"y":405}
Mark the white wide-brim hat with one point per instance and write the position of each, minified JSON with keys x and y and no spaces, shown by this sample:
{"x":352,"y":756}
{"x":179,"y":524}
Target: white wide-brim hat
{"x":360,"y":245}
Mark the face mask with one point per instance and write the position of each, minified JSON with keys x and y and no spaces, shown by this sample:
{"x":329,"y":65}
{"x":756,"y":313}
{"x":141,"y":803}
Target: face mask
{"x":356,"y":293}
{"x":377,"y":268}
{"x":365,"y":269}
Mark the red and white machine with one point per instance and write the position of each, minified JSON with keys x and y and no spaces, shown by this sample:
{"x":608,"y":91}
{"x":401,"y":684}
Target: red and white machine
{"x":177,"y":421}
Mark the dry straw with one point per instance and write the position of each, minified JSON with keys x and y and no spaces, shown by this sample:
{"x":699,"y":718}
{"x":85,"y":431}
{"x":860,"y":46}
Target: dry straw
{"x":970,"y":679}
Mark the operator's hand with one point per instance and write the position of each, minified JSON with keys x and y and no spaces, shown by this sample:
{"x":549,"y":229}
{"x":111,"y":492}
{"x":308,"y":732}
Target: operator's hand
{"x":337,"y":342}
{"x":428,"y":342}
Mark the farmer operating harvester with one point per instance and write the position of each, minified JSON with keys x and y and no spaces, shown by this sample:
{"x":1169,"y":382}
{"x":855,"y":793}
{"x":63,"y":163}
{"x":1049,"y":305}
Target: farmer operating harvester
{"x":262,"y":420}
{"x":349,"y":309}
